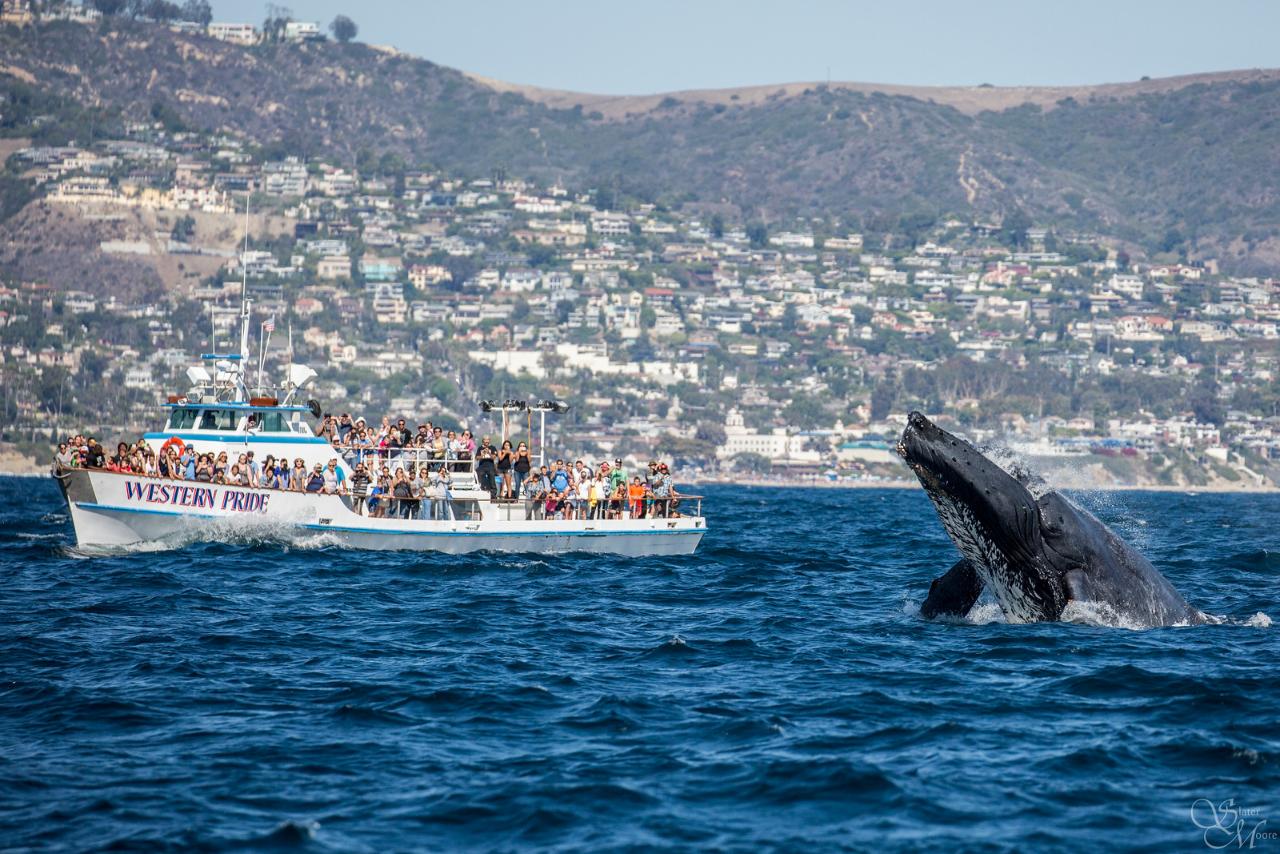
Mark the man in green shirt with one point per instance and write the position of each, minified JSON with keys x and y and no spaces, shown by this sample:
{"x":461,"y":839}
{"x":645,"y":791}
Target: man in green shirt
{"x":617,"y":476}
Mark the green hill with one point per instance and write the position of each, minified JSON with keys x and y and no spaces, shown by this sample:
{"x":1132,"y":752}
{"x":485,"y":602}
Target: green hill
{"x":1187,"y":165}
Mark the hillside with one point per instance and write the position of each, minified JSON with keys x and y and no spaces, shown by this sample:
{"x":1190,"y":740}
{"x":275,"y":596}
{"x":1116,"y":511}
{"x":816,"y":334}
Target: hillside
{"x":1186,"y":164}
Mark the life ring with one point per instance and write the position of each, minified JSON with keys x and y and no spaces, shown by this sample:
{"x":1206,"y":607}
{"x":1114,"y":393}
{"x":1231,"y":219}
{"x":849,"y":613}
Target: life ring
{"x":172,"y":442}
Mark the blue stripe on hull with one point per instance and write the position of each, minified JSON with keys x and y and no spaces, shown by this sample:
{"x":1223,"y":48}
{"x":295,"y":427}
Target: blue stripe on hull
{"x":240,"y":438}
{"x":392,"y":531}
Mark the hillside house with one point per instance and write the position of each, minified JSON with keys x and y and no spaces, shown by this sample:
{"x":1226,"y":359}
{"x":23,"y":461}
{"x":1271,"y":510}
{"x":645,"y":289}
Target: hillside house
{"x":303,"y":31}
{"x":334,"y":267}
{"x":380,"y":269}
{"x":242,"y":34}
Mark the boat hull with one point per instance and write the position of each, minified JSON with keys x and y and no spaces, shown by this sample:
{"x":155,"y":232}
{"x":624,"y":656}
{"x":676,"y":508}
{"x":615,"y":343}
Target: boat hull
{"x":111,"y":510}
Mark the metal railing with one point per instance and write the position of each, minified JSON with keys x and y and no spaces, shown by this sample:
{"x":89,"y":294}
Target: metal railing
{"x":428,"y":508}
{"x":607,"y":510}
{"x":461,"y":472}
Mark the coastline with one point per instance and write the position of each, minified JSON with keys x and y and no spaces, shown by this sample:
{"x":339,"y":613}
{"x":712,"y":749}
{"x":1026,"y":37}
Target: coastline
{"x":1223,"y":489}
{"x":910,"y":484}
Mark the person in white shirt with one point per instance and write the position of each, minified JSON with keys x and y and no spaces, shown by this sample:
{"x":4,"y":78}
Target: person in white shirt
{"x":583,"y":488}
{"x":424,"y":488}
{"x":333,"y":479}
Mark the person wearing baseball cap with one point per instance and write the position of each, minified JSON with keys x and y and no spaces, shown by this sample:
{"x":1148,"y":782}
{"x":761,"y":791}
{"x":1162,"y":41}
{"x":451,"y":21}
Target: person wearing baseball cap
{"x":617,"y":476}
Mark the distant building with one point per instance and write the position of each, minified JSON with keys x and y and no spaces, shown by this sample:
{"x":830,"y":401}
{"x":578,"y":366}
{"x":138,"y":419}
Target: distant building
{"x":777,"y":446}
{"x":286,"y":178}
{"x":611,"y":224}
{"x":302,"y":31}
{"x":80,"y":14}
{"x":334,"y":267}
{"x":244,"y":34}
{"x":381,"y":269}
{"x":17,"y":12}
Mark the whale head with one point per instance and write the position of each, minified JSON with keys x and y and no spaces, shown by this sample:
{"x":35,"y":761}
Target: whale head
{"x":991,"y":516}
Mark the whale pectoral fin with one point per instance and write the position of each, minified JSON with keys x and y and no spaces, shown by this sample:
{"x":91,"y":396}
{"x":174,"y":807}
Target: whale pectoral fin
{"x":954,"y":593}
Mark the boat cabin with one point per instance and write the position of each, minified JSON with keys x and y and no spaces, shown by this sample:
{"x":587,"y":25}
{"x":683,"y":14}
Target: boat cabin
{"x":223,"y":418}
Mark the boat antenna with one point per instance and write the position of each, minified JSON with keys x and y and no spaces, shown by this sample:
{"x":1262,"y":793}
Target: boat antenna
{"x":244,"y":288}
{"x":244,"y":267}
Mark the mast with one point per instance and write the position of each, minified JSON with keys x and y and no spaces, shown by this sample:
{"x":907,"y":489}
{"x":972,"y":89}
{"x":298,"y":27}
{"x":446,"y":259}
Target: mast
{"x":244,"y":289}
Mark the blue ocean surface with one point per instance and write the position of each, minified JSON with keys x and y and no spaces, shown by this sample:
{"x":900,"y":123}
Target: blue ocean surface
{"x":776,"y":690}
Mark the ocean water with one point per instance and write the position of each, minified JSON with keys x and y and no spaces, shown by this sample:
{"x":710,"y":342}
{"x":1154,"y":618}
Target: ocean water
{"x":777,"y":690}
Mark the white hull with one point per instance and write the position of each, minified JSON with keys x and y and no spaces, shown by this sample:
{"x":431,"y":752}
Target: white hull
{"x":111,"y":510}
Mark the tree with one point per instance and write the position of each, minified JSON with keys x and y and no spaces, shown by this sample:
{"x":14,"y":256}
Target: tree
{"x":1015,"y":227}
{"x":717,"y":226}
{"x":711,"y":432}
{"x":184,"y":228}
{"x":641,"y":349}
{"x":540,"y":255}
{"x":752,"y":463}
{"x":1203,"y":400}
{"x":343,"y":28}
{"x":564,"y":308}
{"x":277,"y":17}
{"x":790,"y":318}
{"x":198,"y":11}
{"x":162,"y":10}
{"x":806,"y":412}
{"x":109,"y":7}
{"x":758,"y":234}
{"x":882,"y":397}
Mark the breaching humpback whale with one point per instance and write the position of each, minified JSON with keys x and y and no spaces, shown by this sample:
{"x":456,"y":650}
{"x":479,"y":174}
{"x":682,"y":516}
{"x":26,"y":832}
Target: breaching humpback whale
{"x":1034,"y":554}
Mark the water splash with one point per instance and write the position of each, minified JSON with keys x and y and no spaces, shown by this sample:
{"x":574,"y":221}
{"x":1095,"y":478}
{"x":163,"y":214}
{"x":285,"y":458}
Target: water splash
{"x":1017,"y":467}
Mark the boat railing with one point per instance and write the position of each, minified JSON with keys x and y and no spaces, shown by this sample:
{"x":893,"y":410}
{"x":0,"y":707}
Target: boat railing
{"x":387,"y":505}
{"x":404,"y":458}
{"x":675,"y":507}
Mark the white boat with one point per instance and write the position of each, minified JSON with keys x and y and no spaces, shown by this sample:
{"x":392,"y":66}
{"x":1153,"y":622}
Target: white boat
{"x":221,"y":412}
{"x":110,"y":509}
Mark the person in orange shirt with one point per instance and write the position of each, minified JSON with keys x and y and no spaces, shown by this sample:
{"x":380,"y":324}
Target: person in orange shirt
{"x":635,"y":492}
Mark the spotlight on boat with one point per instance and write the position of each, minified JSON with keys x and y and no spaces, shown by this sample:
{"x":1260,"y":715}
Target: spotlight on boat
{"x":487,"y":405}
{"x":557,"y":406}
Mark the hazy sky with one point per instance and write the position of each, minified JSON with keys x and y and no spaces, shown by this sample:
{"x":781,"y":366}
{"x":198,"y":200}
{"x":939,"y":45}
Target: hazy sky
{"x":659,"y":45}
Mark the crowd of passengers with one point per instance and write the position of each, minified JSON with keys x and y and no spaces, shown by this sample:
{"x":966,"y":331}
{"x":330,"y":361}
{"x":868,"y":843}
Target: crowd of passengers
{"x":396,"y":472}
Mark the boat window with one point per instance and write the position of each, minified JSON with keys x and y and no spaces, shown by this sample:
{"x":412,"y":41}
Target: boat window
{"x":183,"y":419}
{"x":218,"y":419}
{"x":272,"y":422}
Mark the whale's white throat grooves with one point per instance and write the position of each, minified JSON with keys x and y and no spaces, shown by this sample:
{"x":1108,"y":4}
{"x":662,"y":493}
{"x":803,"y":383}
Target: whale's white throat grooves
{"x":1017,"y":600}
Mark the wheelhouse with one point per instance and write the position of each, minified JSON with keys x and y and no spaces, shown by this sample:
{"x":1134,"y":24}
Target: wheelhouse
{"x":222,"y":418}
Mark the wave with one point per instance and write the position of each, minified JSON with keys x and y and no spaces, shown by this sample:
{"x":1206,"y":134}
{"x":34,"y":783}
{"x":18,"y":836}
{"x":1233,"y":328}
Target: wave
{"x":774,"y":690}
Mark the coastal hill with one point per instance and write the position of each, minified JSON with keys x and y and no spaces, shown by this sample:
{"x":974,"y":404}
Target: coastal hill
{"x":970,"y":100}
{"x":1184,"y":165}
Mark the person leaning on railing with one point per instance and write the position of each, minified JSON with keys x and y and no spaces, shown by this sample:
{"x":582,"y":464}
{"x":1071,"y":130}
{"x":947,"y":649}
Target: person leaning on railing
{"x":486,"y":468}
{"x":360,"y":481}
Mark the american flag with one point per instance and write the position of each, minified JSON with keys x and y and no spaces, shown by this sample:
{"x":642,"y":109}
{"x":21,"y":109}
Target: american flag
{"x":269,"y":325}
